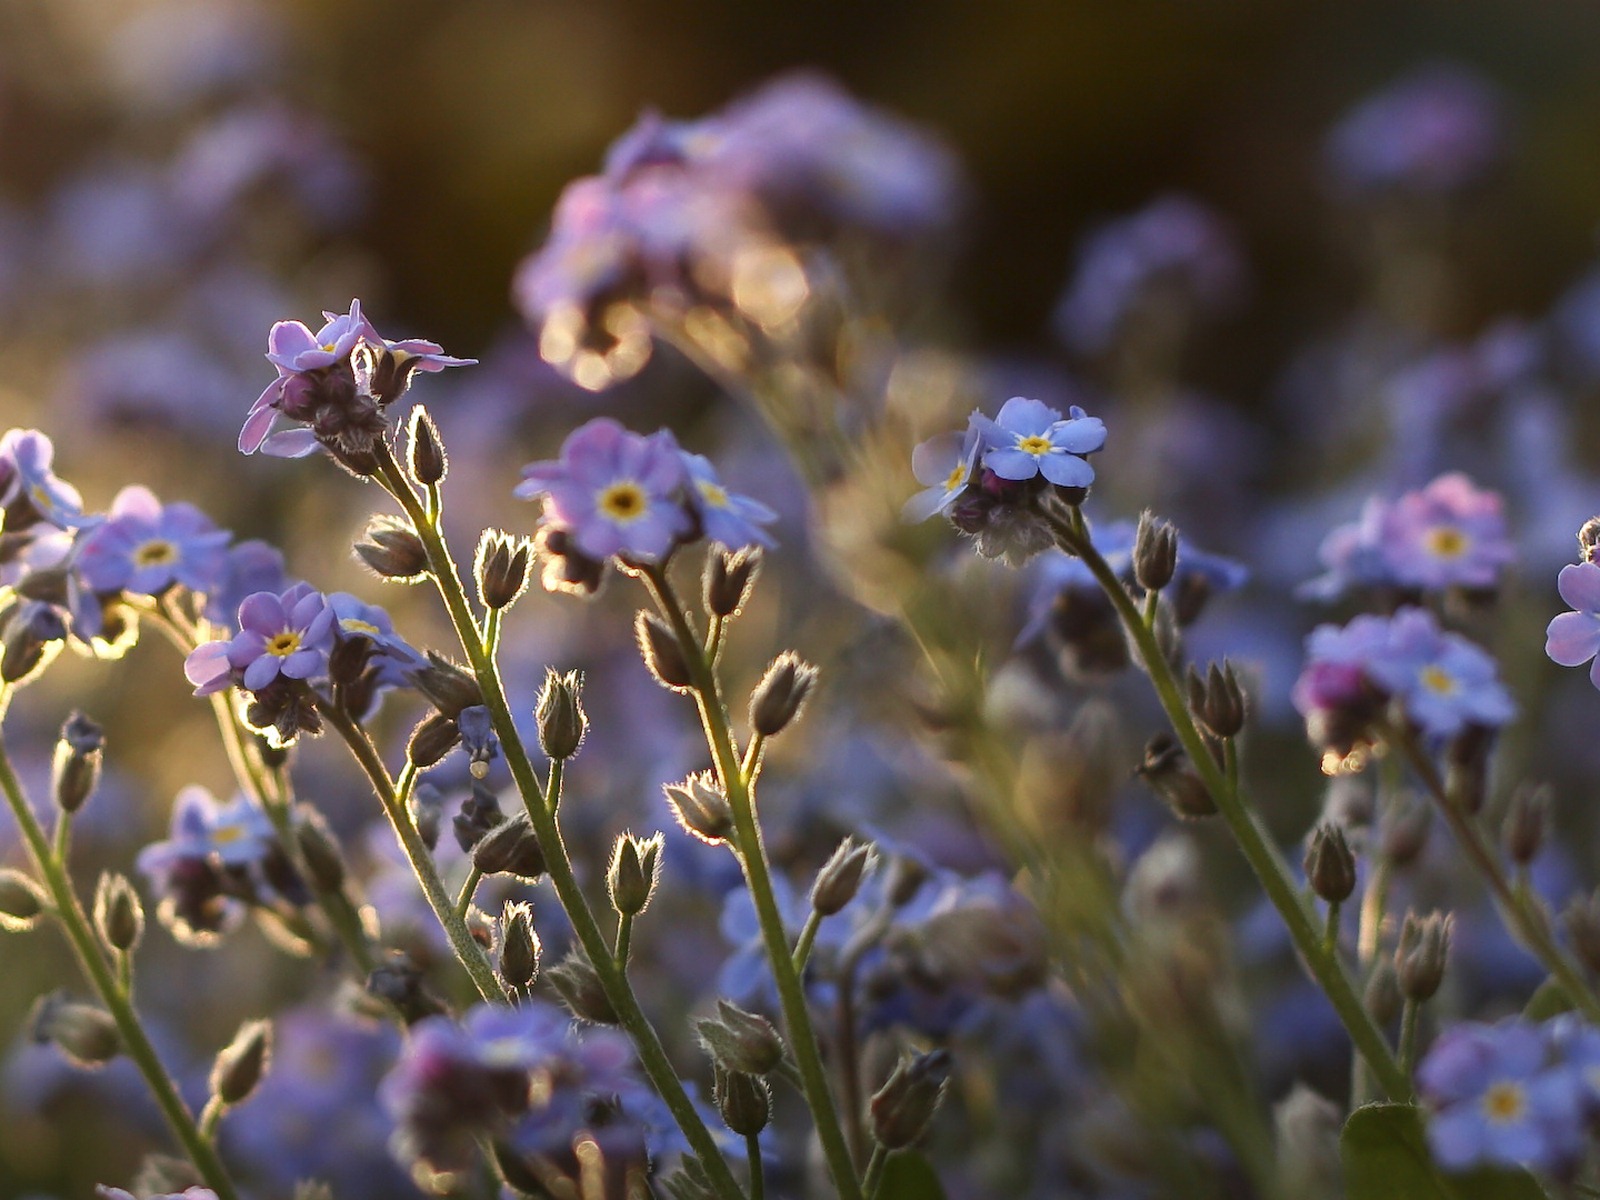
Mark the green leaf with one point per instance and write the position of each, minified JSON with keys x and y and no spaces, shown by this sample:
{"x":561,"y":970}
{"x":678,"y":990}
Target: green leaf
{"x":1385,"y":1155}
{"x":909,"y":1177}
{"x":1550,"y":1000}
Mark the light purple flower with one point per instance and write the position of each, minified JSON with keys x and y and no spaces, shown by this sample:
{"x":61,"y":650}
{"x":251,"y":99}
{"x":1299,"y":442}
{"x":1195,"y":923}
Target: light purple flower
{"x":1443,"y":681}
{"x":288,"y":634}
{"x":944,"y":465}
{"x":313,"y":371}
{"x":1573,"y":638}
{"x":724,"y":516}
{"x":1030,"y":438}
{"x":251,"y":566}
{"x":238,"y":833}
{"x":613,"y":491}
{"x":1498,"y":1099}
{"x":30,"y":490}
{"x":145,"y":547}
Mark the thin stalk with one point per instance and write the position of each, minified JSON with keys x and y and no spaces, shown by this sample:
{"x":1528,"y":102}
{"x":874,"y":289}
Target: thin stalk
{"x":1408,"y":1034}
{"x":1516,"y":907}
{"x":93,"y":961}
{"x":752,"y":1151}
{"x":469,"y":889}
{"x":808,"y":938}
{"x":540,"y":804}
{"x":1261,"y":853}
{"x":467,"y":951}
{"x":758,"y":876}
{"x":873,"y":1182}
{"x":1330,"y":931}
{"x":624,"y":939}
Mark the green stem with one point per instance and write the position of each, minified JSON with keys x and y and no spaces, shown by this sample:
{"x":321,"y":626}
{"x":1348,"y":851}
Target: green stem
{"x":758,"y":876}
{"x":873,"y":1183}
{"x":470,"y":954}
{"x":469,"y":889}
{"x":1517,"y":908}
{"x":99,"y":972}
{"x":1408,"y":1035}
{"x":624,"y":939}
{"x":1330,"y":931}
{"x":1259,"y":850}
{"x":808,"y":937}
{"x":540,"y":804}
{"x":752,"y":1150}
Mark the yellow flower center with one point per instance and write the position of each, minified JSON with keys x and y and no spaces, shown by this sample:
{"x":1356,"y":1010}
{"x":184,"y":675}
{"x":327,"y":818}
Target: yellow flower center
{"x":328,"y":347}
{"x":1037,"y":444}
{"x":356,"y":625}
{"x":1504,"y":1102}
{"x":623,"y":501}
{"x":284,"y":644}
{"x":157,"y":552}
{"x":957,"y":476}
{"x":713,"y":495}
{"x":226,"y":834}
{"x":1437,"y":679}
{"x":1446,"y":541}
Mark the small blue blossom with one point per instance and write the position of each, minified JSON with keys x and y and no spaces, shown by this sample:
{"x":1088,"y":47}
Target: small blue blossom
{"x":214,"y":860}
{"x":144,"y":547}
{"x":725,"y":516}
{"x":251,"y":566}
{"x":1573,"y":638}
{"x":944,"y":464}
{"x":30,"y":490}
{"x":1443,"y":681}
{"x":1030,"y":438}
{"x":288,"y":634}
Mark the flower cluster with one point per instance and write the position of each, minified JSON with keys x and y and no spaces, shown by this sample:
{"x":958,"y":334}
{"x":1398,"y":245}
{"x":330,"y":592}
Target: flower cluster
{"x":1512,"y":1094}
{"x":1440,"y":682}
{"x":1448,"y":535}
{"x":991,"y":480}
{"x":613,"y":493}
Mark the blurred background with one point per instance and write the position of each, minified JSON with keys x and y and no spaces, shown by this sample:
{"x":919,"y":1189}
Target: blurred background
{"x":1358,"y":299}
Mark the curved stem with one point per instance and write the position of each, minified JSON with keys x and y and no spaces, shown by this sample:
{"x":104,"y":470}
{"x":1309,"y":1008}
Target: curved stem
{"x":1259,"y":851}
{"x":758,"y":876}
{"x":99,"y":972}
{"x":540,"y":805}
{"x":469,"y":889}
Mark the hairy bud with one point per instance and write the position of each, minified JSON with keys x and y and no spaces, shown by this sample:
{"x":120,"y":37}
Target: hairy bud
{"x":519,"y":945}
{"x":1166,"y":769}
{"x":1382,"y":997}
{"x":426,"y":457}
{"x":434,"y":737}
{"x":744,"y":1101}
{"x":580,"y":989}
{"x":904,"y":1106}
{"x":21,"y":901}
{"x":738,"y":1040}
{"x":1155,"y":552}
{"x":446,"y":686}
{"x":75,"y":771}
{"x":1589,"y":538}
{"x":778,"y":698}
{"x":840,"y":878}
{"x":319,"y":850}
{"x":118,"y":915}
{"x":393,"y":550}
{"x":729,"y":577}
{"x":1403,"y":831}
{"x":1419,"y":959}
{"x":701,"y":808}
{"x":32,"y":633}
{"x":661,"y":652}
{"x":501,"y":568}
{"x":562,"y":721}
{"x":85,"y":1034}
{"x":510,"y":848}
{"x":1527,"y":819}
{"x":1330,"y":866}
{"x":1216,"y":700}
{"x":242,"y":1063}
{"x":634,"y":872}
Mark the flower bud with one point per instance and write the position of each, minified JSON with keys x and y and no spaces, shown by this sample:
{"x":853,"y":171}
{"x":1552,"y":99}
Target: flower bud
{"x":840,"y":878}
{"x":1403,"y":831}
{"x":780,"y":694}
{"x":393,"y":550}
{"x":701,"y":808}
{"x":579,"y":987}
{"x":319,"y":850}
{"x":75,"y":771}
{"x":1582,"y":922}
{"x":242,"y":1063}
{"x":510,"y":848}
{"x":446,"y":686}
{"x":744,"y":1101}
{"x":904,"y":1106}
{"x":398,"y":983}
{"x":1330,"y":866}
{"x":480,"y":812}
{"x":33,"y":633}
{"x":634,"y":872}
{"x":1216,"y":700}
{"x":562,"y":721}
{"x":1588,"y":538}
{"x":1419,"y":959}
{"x":743,"y":1041}
{"x":426,"y":457}
{"x":661,"y":652}
{"x":566,"y":568}
{"x":434,"y":737}
{"x":21,"y":901}
{"x":519,"y":945}
{"x":904,"y":879}
{"x":1527,"y":819}
{"x":729,"y":577}
{"x":1166,"y":769}
{"x":85,"y":1034}
{"x":1382,"y":998}
{"x":1155,"y":552}
{"x":501,"y":568}
{"x":118,"y":915}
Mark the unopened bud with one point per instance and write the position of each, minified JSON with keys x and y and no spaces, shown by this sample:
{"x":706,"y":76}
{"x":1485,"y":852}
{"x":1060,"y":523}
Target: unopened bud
{"x":741,"y":1041}
{"x":427,"y":459}
{"x":904,"y":1106}
{"x":1527,"y":819}
{"x":903,"y":880}
{"x":510,"y":848}
{"x":1588,"y":538}
{"x":501,"y":568}
{"x":1403,"y":831}
{"x":519,"y":945}
{"x":562,"y":721}
{"x":393,"y":550}
{"x":21,"y":901}
{"x":118,"y":915}
{"x":1216,"y":700}
{"x":398,"y":983}
{"x":840,"y":878}
{"x":1382,"y":997}
{"x":1330,"y":866}
{"x":701,"y":808}
{"x":729,"y":576}
{"x":579,"y":987}
{"x":85,"y":1034}
{"x":434,"y":737}
{"x":744,"y":1101}
{"x":1582,"y":922}
{"x":446,"y":686}
{"x":33,"y":632}
{"x":661,"y":652}
{"x":635,"y":869}
{"x":781,"y":693}
{"x":75,"y":772}
{"x":480,"y":812}
{"x":1155,"y":552}
{"x":242,"y":1063}
{"x":324,"y":862}
{"x":1166,"y":769}
{"x":1419,"y":959}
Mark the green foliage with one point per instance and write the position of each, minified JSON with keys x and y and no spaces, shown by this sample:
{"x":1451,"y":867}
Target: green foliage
{"x":907,"y":1176}
{"x":1386,"y":1156}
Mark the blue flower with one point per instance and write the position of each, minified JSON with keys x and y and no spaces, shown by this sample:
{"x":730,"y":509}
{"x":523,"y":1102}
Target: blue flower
{"x":1573,"y":638}
{"x":725,"y":516}
{"x":1030,"y":438}
{"x":145,"y":548}
{"x":30,"y":490}
{"x":944,"y":464}
{"x":1443,"y":681}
